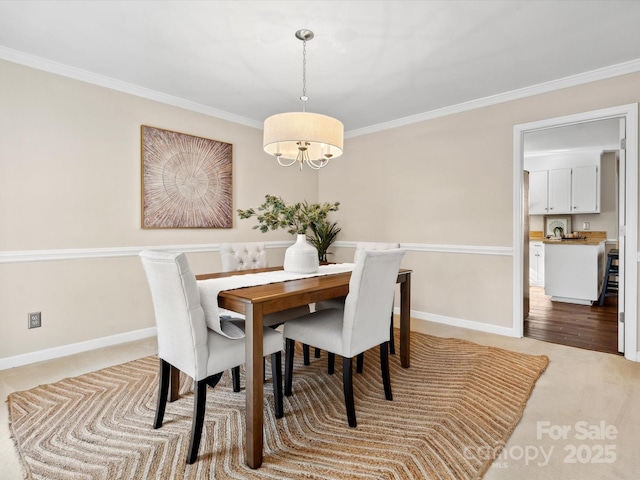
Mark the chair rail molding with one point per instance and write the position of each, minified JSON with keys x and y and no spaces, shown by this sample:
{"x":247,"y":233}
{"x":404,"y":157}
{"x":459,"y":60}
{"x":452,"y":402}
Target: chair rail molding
{"x":25,"y":256}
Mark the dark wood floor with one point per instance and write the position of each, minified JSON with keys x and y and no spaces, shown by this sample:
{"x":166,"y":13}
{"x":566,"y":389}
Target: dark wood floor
{"x":592,"y":328}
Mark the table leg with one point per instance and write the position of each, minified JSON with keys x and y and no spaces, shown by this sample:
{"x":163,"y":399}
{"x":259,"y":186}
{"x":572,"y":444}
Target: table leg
{"x":254,"y":385}
{"x":405,"y":321}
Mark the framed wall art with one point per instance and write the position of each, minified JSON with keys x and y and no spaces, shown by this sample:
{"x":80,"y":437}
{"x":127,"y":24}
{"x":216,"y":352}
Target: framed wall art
{"x":186,"y":181}
{"x":551,"y":222}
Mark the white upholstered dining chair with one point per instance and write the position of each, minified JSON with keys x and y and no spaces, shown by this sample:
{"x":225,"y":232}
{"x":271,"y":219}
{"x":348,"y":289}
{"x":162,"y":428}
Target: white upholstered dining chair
{"x":250,"y":256}
{"x":185,"y":343}
{"x":362,"y":324}
{"x":243,"y":256}
{"x":339,"y":302}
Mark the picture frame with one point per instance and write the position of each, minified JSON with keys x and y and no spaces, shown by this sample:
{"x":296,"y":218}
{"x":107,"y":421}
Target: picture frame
{"x":553,"y":221}
{"x":186,"y":180}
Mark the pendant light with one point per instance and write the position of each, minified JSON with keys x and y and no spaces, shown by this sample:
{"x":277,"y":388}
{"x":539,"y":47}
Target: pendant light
{"x":303,"y":137}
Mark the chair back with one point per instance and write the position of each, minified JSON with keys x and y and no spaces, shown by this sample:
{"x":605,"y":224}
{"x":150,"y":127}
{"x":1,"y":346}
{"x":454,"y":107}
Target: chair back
{"x":360,"y":246}
{"x":180,"y":321}
{"x":371,"y":292}
{"x":243,"y":256}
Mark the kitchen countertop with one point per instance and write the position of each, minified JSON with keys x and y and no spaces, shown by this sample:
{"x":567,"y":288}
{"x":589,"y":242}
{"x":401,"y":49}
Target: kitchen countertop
{"x":585,"y":238}
{"x":574,"y":241}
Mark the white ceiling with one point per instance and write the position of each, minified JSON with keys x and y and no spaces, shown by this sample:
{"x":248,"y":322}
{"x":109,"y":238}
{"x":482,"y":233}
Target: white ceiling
{"x":370,"y":63}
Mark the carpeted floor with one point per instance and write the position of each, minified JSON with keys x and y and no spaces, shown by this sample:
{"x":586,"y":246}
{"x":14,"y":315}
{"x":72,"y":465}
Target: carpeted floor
{"x":452,"y":412}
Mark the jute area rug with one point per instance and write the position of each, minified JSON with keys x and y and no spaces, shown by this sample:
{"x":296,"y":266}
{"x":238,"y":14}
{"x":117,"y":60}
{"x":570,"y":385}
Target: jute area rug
{"x":451,"y":414}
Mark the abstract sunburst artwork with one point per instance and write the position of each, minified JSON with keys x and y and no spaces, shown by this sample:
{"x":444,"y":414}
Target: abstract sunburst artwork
{"x":186,"y":181}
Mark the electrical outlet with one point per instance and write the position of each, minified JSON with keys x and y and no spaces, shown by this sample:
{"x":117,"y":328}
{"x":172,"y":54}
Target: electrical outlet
{"x":586,"y":226}
{"x":35,"y":320}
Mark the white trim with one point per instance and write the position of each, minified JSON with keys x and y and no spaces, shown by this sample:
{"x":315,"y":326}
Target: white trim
{"x":459,"y":322}
{"x":430,"y":247}
{"x":465,"y":249}
{"x":572,"y":81}
{"x":630,"y":113}
{"x":24,"y":256}
{"x":50,"y":66}
{"x":40,"y":63}
{"x":71,"y":349}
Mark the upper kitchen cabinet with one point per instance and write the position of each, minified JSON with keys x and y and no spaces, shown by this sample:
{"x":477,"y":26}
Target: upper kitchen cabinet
{"x":539,"y":192}
{"x":559,"y":191}
{"x":564,"y":190}
{"x":585,"y":189}
{"x":584,"y":148}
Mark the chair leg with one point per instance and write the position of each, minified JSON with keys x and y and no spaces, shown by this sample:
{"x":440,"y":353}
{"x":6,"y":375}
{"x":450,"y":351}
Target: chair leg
{"x":174,"y":384}
{"x":235,"y":377}
{"x":347,"y":385}
{"x":213,"y":380}
{"x":392,"y":340}
{"x":331,"y":362}
{"x":305,"y":353}
{"x":360,"y":362}
{"x":317,"y":353}
{"x":163,"y":392}
{"x":384,"y":366}
{"x":276,"y":378}
{"x":199,"y":403}
{"x":290,"y":347}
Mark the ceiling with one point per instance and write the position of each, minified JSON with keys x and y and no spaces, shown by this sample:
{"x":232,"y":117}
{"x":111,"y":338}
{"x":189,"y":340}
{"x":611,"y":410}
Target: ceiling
{"x":370,"y":63}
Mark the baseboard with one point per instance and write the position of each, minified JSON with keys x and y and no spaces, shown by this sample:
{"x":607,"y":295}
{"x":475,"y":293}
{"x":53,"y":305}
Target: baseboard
{"x":66,"y":350}
{"x":461,"y":323}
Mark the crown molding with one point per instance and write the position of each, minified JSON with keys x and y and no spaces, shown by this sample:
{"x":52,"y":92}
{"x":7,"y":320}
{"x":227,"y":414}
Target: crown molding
{"x":632,"y":66}
{"x":40,"y":63}
{"x":50,"y":66}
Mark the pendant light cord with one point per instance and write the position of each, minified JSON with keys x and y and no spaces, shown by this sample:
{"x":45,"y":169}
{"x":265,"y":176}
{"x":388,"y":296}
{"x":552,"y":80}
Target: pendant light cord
{"x":304,"y":97}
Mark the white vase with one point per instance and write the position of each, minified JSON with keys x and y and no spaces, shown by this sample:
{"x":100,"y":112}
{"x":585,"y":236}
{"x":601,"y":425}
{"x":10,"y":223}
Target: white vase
{"x":301,"y":257}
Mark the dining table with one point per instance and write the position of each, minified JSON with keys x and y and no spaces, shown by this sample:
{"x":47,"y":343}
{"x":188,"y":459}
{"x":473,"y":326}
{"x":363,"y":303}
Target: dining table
{"x":254,"y":302}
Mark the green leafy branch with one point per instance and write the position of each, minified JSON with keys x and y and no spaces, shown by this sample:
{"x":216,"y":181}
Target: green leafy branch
{"x":297,"y":218}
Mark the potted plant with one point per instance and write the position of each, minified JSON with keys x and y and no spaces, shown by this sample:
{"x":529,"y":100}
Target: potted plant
{"x":324,"y":234}
{"x":297,"y":218}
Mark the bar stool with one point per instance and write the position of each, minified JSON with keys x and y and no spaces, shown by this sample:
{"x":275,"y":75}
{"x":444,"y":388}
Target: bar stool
{"x":610,"y":285}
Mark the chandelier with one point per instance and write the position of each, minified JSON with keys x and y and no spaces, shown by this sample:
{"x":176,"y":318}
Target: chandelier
{"x":303,"y":137}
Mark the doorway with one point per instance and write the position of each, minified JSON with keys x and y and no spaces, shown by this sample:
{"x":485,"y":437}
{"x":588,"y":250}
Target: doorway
{"x":627,"y":234}
{"x":591,"y":146}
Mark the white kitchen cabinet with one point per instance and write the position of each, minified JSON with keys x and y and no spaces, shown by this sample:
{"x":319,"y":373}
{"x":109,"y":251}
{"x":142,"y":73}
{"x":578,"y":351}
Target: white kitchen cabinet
{"x":536,"y":263}
{"x":560,"y":191}
{"x":565,"y":190}
{"x":585,"y":190}
{"x":538,"y":196}
{"x":573,"y":272}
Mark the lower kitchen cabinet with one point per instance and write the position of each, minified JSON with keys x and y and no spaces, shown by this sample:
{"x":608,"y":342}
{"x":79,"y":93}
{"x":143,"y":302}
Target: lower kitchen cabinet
{"x":573,"y":271}
{"x":536,"y":263}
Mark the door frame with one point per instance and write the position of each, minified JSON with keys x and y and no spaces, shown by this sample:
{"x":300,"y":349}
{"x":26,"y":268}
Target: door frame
{"x":630,"y":113}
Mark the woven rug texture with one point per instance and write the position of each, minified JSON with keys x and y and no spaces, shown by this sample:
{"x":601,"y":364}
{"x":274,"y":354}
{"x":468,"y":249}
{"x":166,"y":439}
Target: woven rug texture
{"x":452,"y":412}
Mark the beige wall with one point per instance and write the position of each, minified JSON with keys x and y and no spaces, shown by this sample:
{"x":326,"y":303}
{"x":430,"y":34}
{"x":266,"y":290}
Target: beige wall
{"x":70,"y":163}
{"x":449,"y":181}
{"x":70,"y":179}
